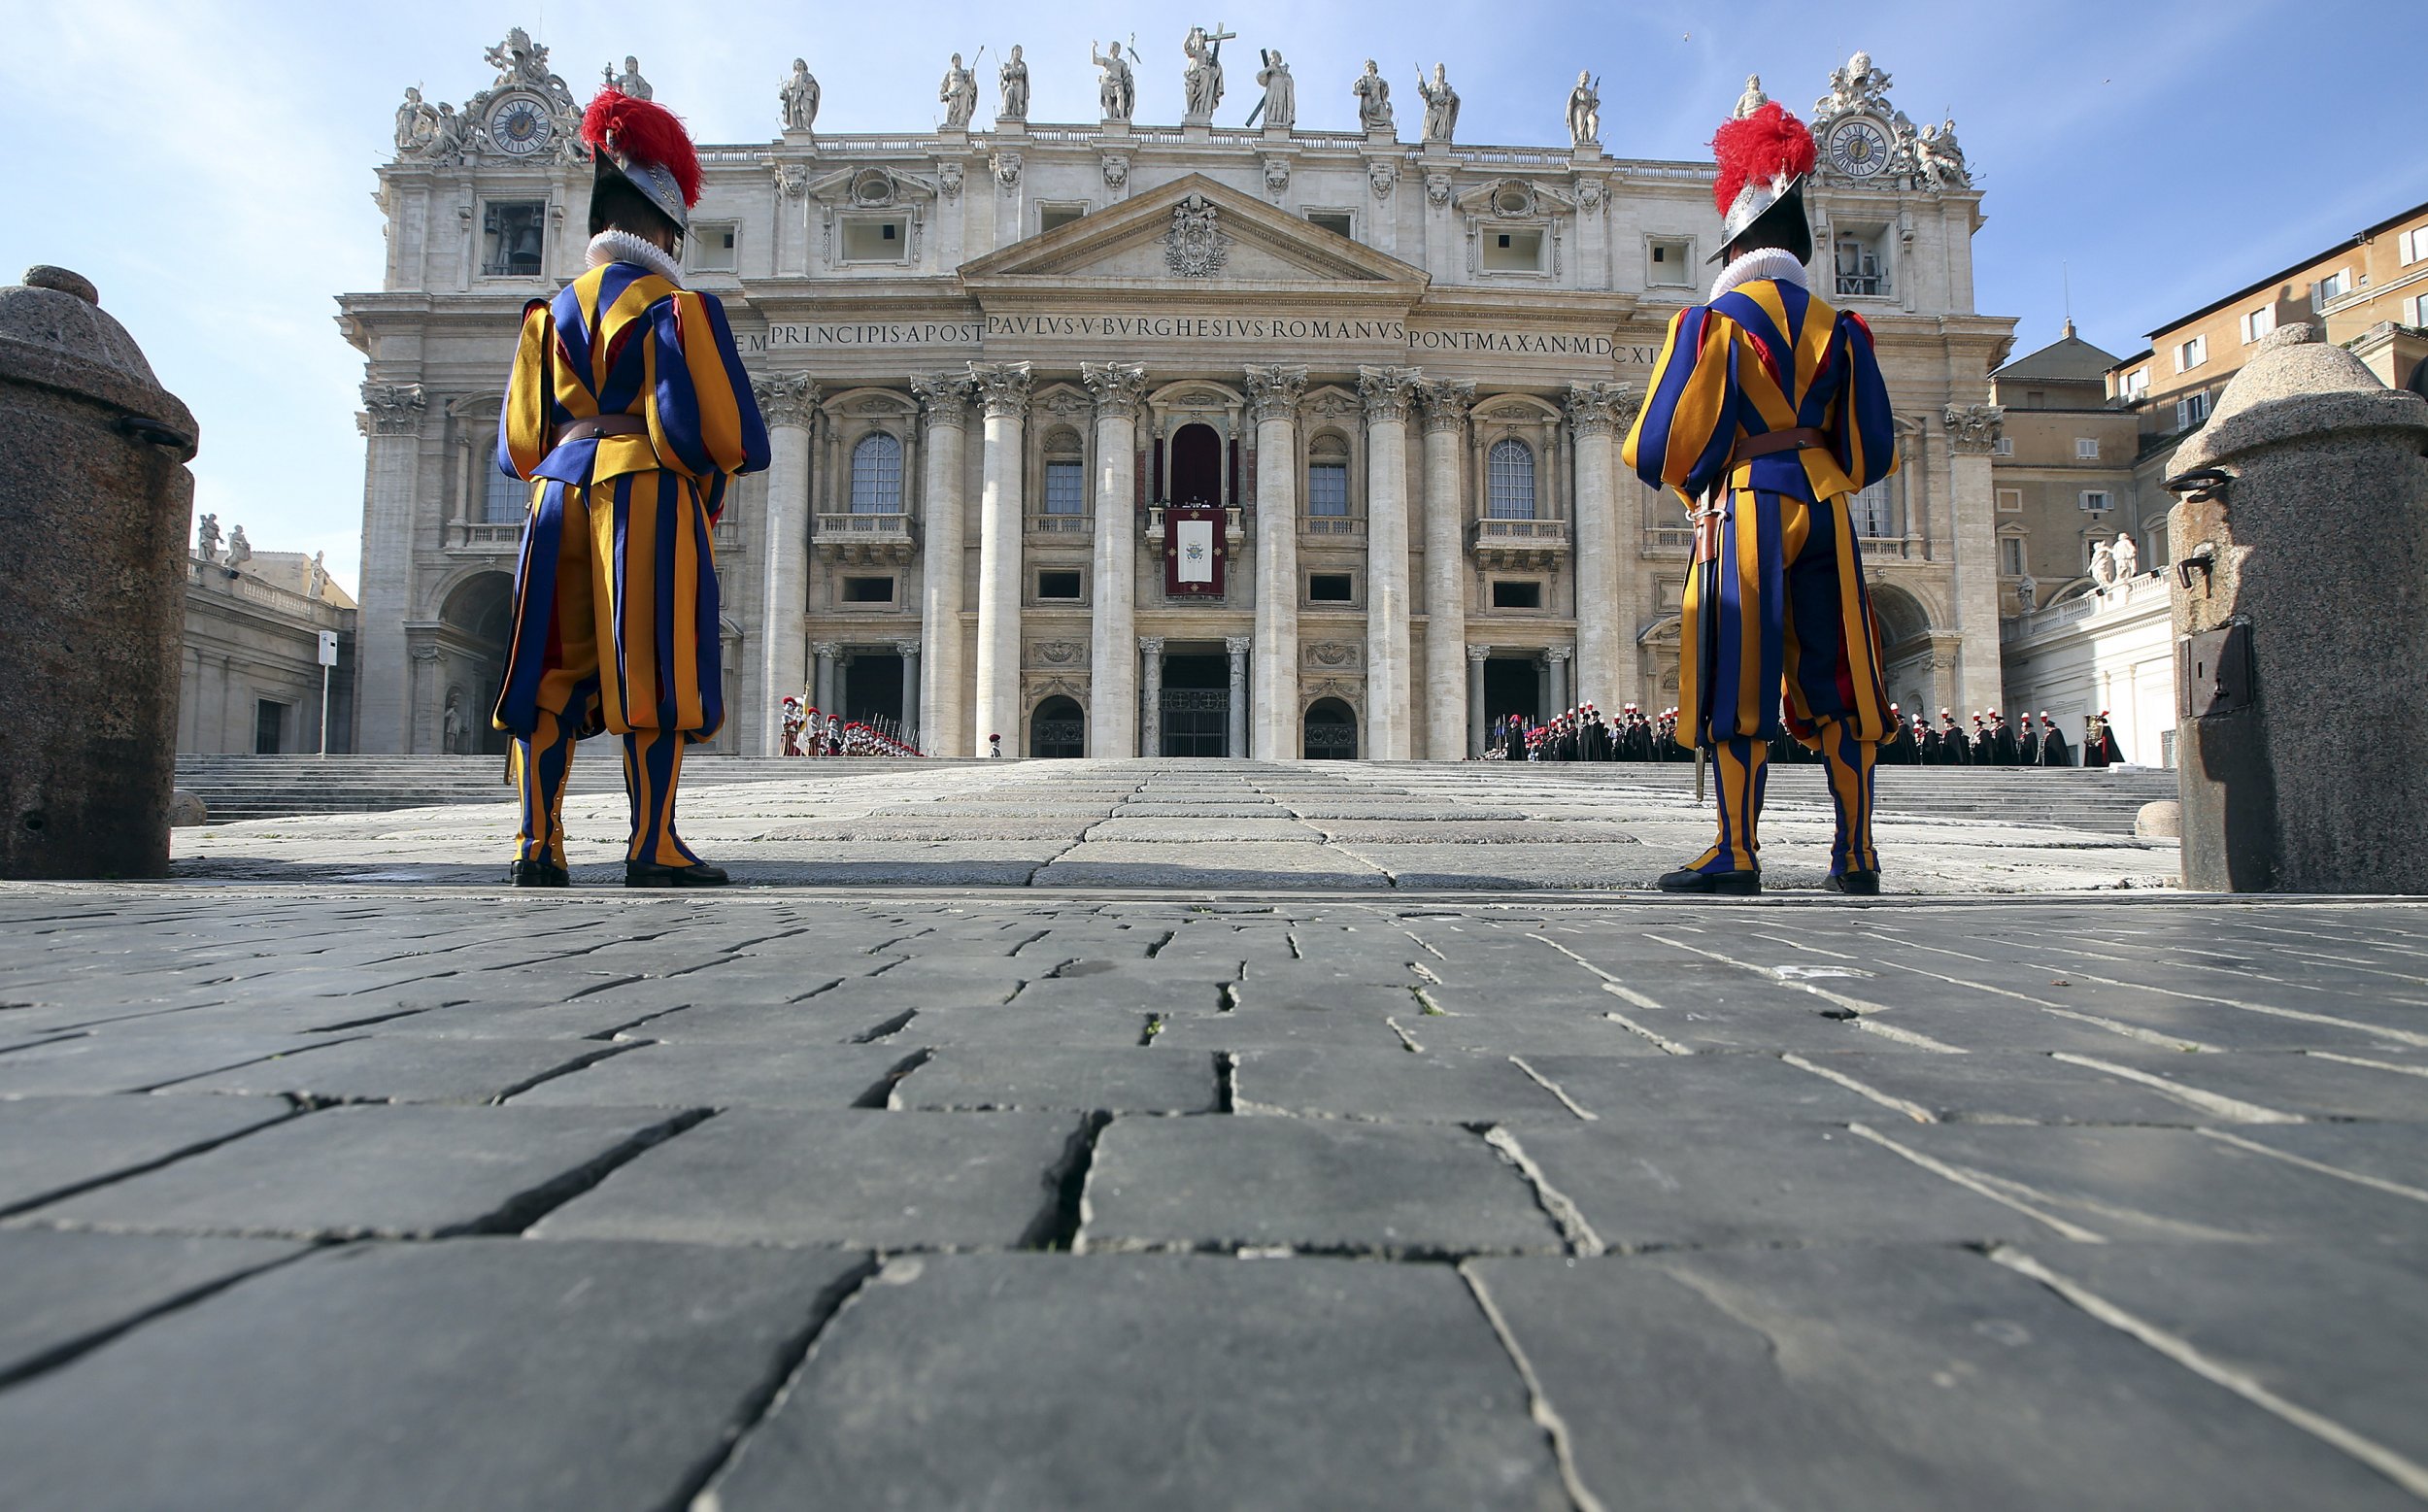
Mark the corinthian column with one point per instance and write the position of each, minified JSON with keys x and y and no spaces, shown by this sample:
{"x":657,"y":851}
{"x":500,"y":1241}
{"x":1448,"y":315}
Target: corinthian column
{"x":1274,"y":726}
{"x":1236,"y":710}
{"x":383,"y":707}
{"x":1446,"y":406}
{"x":1113,"y":632}
{"x":789,"y":401}
{"x":1607,"y":611}
{"x":944,"y":690}
{"x":1004,"y":387}
{"x":1151,"y":664}
{"x":1388,"y":391}
{"x":1973,"y":431}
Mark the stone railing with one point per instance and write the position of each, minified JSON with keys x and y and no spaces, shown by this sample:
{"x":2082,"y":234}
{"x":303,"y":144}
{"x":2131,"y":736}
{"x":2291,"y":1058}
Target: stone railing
{"x":484,"y":537}
{"x":1520,"y":543}
{"x":1665,"y":541}
{"x":864,"y":538}
{"x":2142,"y":591}
{"x":245,"y":587}
{"x":1349,"y":527}
{"x":1059,"y":524}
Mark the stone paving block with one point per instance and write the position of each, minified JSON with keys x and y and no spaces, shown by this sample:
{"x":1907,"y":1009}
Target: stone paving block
{"x":1316,"y":1185}
{"x":62,"y":1291}
{"x":1011,"y":1027}
{"x":1248,"y":864}
{"x":1284,"y":1029}
{"x":388,"y":1171}
{"x":2003,"y":1086}
{"x":1524,"y":1032}
{"x":584,"y":1377}
{"x":2153,"y":1184}
{"x":2390,"y":1153}
{"x":1212,"y":1382}
{"x":1063,"y":1079}
{"x":771,"y":1075}
{"x":813,"y":1022}
{"x":1179,"y":825}
{"x":2337,"y":1329}
{"x":1125,"y":993}
{"x":1268,"y":994}
{"x":128,"y":1060}
{"x":867,"y":1180}
{"x":1378,"y":960}
{"x":1513,"y":864}
{"x":1388,"y":1086}
{"x":53,"y":1145}
{"x":2312,"y":1086}
{"x":1884,"y":1377}
{"x":586,"y":1018}
{"x":1757,"y":1182}
{"x":1673,"y":1089}
{"x":410,"y":1068}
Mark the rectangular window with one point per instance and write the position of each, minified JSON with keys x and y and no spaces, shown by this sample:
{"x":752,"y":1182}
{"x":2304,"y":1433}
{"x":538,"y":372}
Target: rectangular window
{"x":2419,"y":311}
{"x":513,"y":232}
{"x":2258,"y":323}
{"x":1059,"y":584}
{"x":1065,"y":489}
{"x":2096,"y":500}
{"x":1862,"y":265}
{"x":2011,"y":555}
{"x":2004,"y":445}
{"x":1337,"y":221}
{"x":2134,"y":384}
{"x":1327,"y":488}
{"x":2335,"y":286}
{"x":886,"y":240}
{"x":2191,"y":410}
{"x":1672,"y":263}
{"x":1329,"y":587}
{"x":868,"y":591}
{"x":2191,"y":353}
{"x":2011,"y":501}
{"x":1512,"y":252}
{"x":269,"y":727}
{"x":1509,"y":593}
{"x":2086,"y":449}
{"x":2414,"y":244}
{"x":506,"y":500}
{"x":1053,"y":217}
{"x":713,"y":248}
{"x":1875,"y":512}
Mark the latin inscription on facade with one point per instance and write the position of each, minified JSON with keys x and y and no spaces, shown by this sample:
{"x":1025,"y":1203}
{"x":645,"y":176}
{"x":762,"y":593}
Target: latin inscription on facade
{"x":1299,"y":330}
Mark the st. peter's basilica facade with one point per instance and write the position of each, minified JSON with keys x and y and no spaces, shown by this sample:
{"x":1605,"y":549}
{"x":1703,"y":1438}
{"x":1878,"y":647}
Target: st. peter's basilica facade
{"x":1123,"y":438}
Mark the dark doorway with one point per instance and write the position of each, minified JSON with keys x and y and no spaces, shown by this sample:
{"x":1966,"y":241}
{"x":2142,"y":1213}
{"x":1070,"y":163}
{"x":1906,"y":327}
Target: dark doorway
{"x":872,"y":686}
{"x":480,"y":611}
{"x":1197,"y":705}
{"x":1331,"y":731}
{"x":1058,"y":729}
{"x":1196,"y":467}
{"x":1511,"y":687}
{"x":269,"y":723}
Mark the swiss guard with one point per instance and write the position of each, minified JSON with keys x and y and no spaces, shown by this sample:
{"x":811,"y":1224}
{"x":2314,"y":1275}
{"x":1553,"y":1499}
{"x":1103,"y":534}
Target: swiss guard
{"x":629,"y":413}
{"x":1766,"y":412}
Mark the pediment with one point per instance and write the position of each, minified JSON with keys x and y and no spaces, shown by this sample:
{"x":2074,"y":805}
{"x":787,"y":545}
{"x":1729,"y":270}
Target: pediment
{"x":1192,"y":233}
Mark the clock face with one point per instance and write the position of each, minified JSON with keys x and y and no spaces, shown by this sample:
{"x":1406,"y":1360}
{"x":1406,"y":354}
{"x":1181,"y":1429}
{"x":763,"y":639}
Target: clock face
{"x":519,"y":127}
{"x":1858,"y":149}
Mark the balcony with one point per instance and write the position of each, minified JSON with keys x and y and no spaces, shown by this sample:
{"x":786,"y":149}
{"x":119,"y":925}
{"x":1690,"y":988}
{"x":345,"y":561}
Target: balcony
{"x":1072,"y":527}
{"x":1521,"y":543}
{"x":1670,"y":542}
{"x":864,"y":540}
{"x":1333,"y":530}
{"x":476,"y":538}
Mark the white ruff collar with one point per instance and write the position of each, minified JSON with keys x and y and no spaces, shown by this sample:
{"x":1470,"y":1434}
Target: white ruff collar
{"x":1763,"y":262}
{"x":614,"y":246}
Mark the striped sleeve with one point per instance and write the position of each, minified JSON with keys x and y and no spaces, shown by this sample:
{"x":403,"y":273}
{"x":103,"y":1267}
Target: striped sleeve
{"x":523,"y":424}
{"x":703,"y":419}
{"x":1867,"y":428}
{"x":1682,"y":437}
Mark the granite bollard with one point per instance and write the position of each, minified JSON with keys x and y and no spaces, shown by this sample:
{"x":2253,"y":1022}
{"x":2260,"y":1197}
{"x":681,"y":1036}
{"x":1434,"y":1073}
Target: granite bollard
{"x":2301,"y":620}
{"x":94,"y":501}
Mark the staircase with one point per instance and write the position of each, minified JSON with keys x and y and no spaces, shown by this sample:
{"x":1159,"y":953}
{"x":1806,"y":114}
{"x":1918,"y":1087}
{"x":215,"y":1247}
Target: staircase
{"x":235,"y":788}
{"x":2101,"y":800}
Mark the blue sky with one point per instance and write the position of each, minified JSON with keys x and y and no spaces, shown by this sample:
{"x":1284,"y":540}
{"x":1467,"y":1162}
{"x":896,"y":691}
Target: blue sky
{"x":210,"y":166}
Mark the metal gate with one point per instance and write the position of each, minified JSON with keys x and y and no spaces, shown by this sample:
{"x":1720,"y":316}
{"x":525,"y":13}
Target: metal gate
{"x":1196,"y":721}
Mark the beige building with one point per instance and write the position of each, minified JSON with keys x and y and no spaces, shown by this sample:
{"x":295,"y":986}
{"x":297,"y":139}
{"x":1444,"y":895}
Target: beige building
{"x":251,"y":678}
{"x":2062,"y":470}
{"x":1113,"y":438}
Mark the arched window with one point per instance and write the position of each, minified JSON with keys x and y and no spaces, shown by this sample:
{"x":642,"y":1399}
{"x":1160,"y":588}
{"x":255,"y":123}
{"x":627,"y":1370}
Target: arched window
{"x":1328,"y":478}
{"x":1874,"y":511}
{"x":1066,"y":474}
{"x":877,"y":474}
{"x":1510,"y":469}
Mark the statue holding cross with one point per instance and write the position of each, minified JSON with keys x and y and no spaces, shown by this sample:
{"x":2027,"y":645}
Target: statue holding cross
{"x":1201,"y":84}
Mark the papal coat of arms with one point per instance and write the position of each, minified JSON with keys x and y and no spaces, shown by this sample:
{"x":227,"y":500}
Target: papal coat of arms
{"x":1196,"y":245}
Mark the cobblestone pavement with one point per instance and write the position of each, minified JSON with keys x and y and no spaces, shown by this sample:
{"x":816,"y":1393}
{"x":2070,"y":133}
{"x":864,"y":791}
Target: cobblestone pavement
{"x":378,"y":1197}
{"x":1338,"y":825}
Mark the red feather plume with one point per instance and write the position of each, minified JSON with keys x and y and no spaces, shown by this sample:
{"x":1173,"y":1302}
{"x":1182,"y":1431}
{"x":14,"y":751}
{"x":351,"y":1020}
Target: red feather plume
{"x":642,"y":131}
{"x":1766,"y":146}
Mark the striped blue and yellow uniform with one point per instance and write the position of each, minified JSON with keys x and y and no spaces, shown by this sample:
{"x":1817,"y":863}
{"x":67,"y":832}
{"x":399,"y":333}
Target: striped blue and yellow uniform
{"x":616,"y":613}
{"x":1776,"y":605}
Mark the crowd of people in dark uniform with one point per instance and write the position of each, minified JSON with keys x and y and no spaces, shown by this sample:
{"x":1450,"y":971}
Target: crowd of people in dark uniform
{"x":1585,"y":734}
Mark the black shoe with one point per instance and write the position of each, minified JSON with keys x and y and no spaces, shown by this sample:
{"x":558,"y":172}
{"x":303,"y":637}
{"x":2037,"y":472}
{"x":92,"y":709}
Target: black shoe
{"x":1734,"y":883}
{"x":539,"y":874}
{"x":1856,"y":883}
{"x":640,"y":874}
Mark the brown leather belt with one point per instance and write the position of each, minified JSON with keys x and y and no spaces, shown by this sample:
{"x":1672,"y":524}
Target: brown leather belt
{"x":1775,"y":441}
{"x":601,"y":425}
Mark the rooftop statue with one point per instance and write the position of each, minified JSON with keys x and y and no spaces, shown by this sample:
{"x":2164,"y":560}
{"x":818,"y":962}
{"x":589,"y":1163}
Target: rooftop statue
{"x":1280,"y":104}
{"x":1117,"y":89}
{"x":1374,"y":93}
{"x":959,"y":95}
{"x":799,"y":96}
{"x":629,"y":82}
{"x":1013,"y":80}
{"x":1442,"y":104}
{"x":1201,"y":82}
{"x":1585,"y":110}
{"x":1753,"y":99}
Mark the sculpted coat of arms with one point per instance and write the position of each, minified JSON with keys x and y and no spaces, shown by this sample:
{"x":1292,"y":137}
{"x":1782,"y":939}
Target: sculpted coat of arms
{"x":1195,"y":247}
